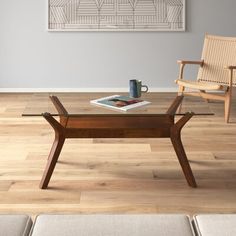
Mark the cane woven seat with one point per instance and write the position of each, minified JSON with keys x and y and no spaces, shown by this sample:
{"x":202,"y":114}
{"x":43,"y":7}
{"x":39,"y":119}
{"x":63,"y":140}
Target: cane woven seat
{"x":199,"y":85}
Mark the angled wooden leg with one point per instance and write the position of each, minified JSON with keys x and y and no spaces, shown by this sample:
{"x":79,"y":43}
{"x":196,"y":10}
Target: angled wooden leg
{"x":175,"y":136}
{"x":175,"y":104}
{"x":55,"y":150}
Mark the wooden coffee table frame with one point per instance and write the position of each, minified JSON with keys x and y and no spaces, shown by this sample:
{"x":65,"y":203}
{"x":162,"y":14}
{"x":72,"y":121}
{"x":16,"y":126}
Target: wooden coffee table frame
{"x":117,"y":126}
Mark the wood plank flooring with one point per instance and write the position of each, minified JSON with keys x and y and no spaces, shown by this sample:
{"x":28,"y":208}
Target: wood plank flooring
{"x":115,"y":175}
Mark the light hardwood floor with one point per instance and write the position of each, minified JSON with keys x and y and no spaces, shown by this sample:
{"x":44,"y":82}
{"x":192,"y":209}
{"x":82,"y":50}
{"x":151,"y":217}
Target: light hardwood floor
{"x":115,"y":176}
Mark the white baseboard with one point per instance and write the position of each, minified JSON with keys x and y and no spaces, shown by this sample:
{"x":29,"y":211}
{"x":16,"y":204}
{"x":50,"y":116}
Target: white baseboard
{"x":82,"y":90}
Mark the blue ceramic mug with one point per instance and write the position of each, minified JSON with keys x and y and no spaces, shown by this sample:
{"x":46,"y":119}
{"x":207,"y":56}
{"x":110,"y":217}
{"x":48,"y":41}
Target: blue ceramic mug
{"x":135,"y":88}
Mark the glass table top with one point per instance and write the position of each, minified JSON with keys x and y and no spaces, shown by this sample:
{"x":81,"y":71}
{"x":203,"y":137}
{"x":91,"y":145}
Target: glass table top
{"x":78,"y":104}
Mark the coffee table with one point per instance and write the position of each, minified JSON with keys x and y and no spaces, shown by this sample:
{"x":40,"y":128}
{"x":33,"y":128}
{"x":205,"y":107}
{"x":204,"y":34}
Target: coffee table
{"x":77,"y":118}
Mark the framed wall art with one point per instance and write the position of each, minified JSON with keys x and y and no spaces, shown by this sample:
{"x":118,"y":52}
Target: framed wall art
{"x":116,"y":15}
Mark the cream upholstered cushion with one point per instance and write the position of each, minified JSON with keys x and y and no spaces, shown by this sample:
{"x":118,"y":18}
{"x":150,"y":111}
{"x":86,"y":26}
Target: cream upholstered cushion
{"x":15,"y":225}
{"x":198,"y":85}
{"x":215,"y":224}
{"x":112,"y":225}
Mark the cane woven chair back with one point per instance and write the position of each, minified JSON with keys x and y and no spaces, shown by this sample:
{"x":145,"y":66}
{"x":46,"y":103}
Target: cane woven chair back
{"x":218,"y":52}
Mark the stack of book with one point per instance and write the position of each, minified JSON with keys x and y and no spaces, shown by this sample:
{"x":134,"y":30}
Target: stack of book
{"x":118,"y":102}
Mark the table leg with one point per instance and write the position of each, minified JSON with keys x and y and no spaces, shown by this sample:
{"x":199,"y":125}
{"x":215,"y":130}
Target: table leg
{"x":55,"y":150}
{"x":179,"y":149}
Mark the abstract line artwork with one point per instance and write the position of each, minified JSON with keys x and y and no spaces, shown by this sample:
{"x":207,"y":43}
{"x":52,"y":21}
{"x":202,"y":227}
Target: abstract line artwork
{"x":116,"y":15}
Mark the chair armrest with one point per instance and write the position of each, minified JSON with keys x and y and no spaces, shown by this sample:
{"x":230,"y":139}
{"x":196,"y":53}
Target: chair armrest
{"x":183,"y":63}
{"x":191,"y":62}
{"x":230,"y":67}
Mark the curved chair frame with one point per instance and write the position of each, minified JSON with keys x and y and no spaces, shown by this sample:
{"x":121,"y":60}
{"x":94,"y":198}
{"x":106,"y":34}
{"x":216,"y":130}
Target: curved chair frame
{"x":217,"y":71}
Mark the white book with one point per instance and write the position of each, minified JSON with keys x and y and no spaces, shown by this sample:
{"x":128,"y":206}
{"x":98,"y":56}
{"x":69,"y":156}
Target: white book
{"x":119,"y":102}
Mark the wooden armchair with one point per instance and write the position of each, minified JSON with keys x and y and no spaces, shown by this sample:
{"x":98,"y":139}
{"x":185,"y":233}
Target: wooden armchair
{"x":217,"y":71}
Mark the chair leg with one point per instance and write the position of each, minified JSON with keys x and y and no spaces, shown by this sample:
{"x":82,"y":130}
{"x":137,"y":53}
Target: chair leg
{"x":180,"y":92}
{"x":206,"y":99}
{"x":228,"y":97}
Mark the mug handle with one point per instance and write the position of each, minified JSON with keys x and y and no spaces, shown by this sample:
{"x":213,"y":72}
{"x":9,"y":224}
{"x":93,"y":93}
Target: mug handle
{"x":145,"y":86}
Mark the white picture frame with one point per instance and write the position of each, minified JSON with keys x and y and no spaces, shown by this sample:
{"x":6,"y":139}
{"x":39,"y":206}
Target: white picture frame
{"x":116,"y":15}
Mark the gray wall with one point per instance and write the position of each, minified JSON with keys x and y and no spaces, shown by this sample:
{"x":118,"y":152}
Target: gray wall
{"x":31,"y":57}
